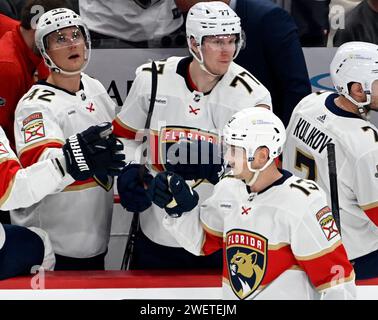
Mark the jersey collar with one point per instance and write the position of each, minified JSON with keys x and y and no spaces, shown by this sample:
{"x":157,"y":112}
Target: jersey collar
{"x":332,"y":107}
{"x":45,"y":83}
{"x":285,"y":175}
{"x":183,"y":70}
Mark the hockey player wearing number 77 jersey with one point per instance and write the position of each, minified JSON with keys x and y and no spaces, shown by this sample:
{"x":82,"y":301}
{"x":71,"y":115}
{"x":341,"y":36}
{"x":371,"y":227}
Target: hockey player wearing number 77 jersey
{"x":195,"y":98}
{"x":269,"y":222}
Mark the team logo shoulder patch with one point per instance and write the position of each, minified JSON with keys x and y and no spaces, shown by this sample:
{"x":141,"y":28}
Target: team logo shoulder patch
{"x":3,"y":150}
{"x":33,"y":127}
{"x":327,"y":223}
{"x":246,"y":255}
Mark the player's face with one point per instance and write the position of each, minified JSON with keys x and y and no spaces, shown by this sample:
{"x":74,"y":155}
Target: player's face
{"x":218,"y":52}
{"x":66,"y":47}
{"x":374,"y":96}
{"x":237,"y":159}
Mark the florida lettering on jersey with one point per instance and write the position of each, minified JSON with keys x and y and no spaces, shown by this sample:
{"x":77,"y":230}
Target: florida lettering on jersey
{"x":246,"y":254}
{"x":281,"y":241}
{"x":172,"y":134}
{"x":182,"y":112}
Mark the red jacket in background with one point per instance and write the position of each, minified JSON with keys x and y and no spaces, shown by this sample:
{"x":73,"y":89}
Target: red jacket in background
{"x":18,"y":64}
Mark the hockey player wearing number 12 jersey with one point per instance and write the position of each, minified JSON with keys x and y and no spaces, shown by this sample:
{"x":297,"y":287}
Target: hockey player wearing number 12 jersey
{"x":78,"y":218}
{"x":342,"y":118}
{"x":195,"y":98}
{"x":268,"y":221}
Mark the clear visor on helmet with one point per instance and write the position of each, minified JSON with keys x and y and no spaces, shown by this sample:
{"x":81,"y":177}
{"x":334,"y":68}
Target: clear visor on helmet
{"x":229,"y":42}
{"x":66,"y":37}
{"x":235,"y":159}
{"x":221,"y":42}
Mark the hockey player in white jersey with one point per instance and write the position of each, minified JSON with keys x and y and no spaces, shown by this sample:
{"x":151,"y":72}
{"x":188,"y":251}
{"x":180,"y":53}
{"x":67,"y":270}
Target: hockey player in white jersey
{"x":270,"y":223}
{"x":83,"y":155}
{"x":342,"y":118}
{"x":195,"y":97}
{"x":78,"y":218}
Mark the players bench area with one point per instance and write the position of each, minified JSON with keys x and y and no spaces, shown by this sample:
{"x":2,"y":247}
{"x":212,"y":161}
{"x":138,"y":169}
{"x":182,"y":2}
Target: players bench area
{"x":113,"y":283}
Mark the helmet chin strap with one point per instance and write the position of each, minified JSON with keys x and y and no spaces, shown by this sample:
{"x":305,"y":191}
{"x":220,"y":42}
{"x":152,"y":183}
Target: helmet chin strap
{"x":68,"y":73}
{"x":256,"y":172}
{"x":252,"y":181}
{"x":203,"y":67}
{"x":363,"y":107}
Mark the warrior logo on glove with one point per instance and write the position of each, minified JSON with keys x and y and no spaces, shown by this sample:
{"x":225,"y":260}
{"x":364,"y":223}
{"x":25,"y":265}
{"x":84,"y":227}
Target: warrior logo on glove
{"x":94,"y":152}
{"x":77,"y":153}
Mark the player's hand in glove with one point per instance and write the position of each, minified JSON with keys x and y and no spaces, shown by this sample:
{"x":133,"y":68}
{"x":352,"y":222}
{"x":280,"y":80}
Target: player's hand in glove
{"x":131,"y":185}
{"x":93,"y":151}
{"x":170,"y":191}
{"x":194,"y":160}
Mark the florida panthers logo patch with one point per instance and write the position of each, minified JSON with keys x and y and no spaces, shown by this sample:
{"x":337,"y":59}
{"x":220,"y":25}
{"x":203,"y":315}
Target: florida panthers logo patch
{"x":246,"y":254}
{"x":33,"y":127}
{"x":327,"y":223}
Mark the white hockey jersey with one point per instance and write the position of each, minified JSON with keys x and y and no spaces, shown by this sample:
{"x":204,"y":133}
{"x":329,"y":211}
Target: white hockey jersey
{"x":78,"y":218}
{"x":315,"y":122}
{"x":280,"y":243}
{"x":128,"y":21}
{"x":22,"y":187}
{"x":181,"y":112}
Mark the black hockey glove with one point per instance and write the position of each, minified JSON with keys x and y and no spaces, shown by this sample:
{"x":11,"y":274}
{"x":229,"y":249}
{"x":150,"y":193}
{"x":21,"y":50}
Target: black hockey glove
{"x":131,"y":187}
{"x":194,"y":160}
{"x":170,"y":191}
{"x":93,"y":151}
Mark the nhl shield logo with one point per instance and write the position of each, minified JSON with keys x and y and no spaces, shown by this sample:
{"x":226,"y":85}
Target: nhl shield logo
{"x":246,"y":254}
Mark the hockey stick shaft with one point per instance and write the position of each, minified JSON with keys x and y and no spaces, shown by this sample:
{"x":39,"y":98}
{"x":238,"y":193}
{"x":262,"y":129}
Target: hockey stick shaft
{"x":134,"y":227}
{"x":333,"y":184}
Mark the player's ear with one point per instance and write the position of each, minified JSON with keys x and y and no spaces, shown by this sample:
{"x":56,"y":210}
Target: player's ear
{"x":194,"y":45}
{"x":357,"y":92}
{"x":262,"y":156}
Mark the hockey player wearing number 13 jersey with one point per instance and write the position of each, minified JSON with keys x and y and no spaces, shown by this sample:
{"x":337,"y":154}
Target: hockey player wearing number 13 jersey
{"x":340,"y":118}
{"x":195,"y":98}
{"x":270,"y":223}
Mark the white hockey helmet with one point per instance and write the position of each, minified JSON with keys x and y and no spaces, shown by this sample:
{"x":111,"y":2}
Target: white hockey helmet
{"x":212,"y":19}
{"x":54,"y":20}
{"x":355,"y":61}
{"x":256,"y":127}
